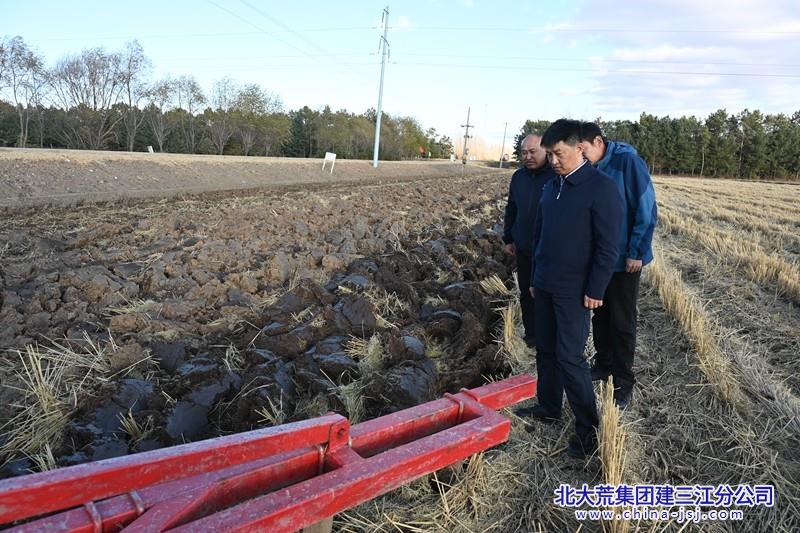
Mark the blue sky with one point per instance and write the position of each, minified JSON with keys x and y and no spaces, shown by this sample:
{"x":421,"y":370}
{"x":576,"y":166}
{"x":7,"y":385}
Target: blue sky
{"x":507,"y":60}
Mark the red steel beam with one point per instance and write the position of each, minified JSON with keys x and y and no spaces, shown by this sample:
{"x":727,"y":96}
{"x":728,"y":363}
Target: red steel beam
{"x":41,"y":493}
{"x":243,"y":481}
{"x":504,"y":393}
{"x":382,"y":454}
{"x":308,"y":502}
{"x":382,"y":433}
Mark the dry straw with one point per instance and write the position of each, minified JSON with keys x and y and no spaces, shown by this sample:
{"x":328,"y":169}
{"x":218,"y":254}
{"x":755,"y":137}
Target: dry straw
{"x":352,"y":397}
{"x":771,"y":235}
{"x":273,"y":413}
{"x":368,"y":352}
{"x":52,"y":380}
{"x":764,"y":269}
{"x":494,"y":286}
{"x":689,"y":313}
{"x":512,"y":347}
{"x":613,"y":438}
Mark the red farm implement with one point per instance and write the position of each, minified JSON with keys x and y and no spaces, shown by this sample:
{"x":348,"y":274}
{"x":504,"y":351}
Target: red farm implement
{"x":277,"y":479}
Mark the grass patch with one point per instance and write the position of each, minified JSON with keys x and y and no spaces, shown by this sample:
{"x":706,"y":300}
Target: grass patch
{"x":369,"y":353}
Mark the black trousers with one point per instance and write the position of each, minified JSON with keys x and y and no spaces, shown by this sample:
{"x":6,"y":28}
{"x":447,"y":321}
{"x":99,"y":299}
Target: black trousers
{"x":524,"y":263}
{"x":562,"y":327}
{"x":614,"y":328}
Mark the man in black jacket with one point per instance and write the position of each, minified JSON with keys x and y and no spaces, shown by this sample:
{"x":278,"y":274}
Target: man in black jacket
{"x":575,"y":247}
{"x":523,"y":201}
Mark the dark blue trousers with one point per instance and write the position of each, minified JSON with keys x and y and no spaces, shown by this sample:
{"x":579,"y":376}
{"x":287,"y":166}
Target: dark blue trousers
{"x":524,"y":262}
{"x":562,"y":328}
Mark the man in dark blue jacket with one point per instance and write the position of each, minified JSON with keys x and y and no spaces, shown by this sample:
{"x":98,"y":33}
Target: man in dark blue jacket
{"x":523,"y":201}
{"x":614,"y":325}
{"x":575,"y":248}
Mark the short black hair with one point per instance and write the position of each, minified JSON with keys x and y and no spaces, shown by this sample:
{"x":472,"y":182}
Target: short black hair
{"x":590,"y":131}
{"x":562,"y":129}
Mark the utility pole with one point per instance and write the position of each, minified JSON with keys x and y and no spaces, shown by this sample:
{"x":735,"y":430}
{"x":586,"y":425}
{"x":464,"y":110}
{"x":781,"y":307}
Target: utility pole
{"x":466,"y":136}
{"x":384,"y":48}
{"x":503,"y":146}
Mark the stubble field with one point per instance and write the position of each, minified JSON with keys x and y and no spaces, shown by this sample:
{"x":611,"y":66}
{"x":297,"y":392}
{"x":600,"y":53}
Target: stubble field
{"x":135,"y":325}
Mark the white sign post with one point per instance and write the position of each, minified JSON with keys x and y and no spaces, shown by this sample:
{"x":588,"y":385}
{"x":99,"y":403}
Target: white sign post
{"x":329,"y":156}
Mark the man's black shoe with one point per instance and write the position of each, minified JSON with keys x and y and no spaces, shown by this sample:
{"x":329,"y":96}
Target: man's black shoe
{"x":539,"y":413}
{"x":579,"y":449}
{"x":622,"y":396}
{"x":600,"y":373}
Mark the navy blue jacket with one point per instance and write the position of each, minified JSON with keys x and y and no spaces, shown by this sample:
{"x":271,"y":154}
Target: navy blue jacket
{"x":577,"y":234}
{"x":629,"y":172}
{"x":523,"y":201}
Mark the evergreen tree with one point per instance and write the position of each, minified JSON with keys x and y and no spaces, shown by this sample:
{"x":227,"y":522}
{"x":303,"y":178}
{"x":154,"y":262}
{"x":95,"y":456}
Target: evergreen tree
{"x":301,"y":134}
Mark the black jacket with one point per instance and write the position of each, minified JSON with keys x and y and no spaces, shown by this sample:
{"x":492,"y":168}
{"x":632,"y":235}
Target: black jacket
{"x":523,"y":201}
{"x":576,"y":238}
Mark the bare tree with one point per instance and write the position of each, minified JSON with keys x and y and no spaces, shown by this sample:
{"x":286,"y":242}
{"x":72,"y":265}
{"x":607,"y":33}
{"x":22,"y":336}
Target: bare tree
{"x":23,"y":73}
{"x":37,"y":87}
{"x":223,"y":96}
{"x":4,"y":43}
{"x":161,"y":96}
{"x":88,"y":85}
{"x":189,"y":98}
{"x":250,"y":108}
{"x":133,"y":69}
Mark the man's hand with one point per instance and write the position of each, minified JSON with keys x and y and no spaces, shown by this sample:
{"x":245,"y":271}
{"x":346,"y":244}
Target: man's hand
{"x":591,"y":303}
{"x":633,"y":265}
{"x":532,"y":291}
{"x":510,"y":249}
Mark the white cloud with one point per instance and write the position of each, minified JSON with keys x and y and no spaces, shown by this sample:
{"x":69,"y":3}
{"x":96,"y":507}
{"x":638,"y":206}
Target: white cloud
{"x":668,"y":53}
{"x":685,"y":57}
{"x":402,"y":23}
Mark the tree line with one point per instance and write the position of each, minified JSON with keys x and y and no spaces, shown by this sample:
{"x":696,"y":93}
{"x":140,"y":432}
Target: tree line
{"x":748,"y":144}
{"x":106,"y":100}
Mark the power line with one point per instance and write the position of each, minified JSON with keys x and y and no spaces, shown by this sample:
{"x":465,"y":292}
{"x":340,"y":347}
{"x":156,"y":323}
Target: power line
{"x":251,"y":58}
{"x":287,"y":43}
{"x":599,"y":30}
{"x":262,"y":67}
{"x":567,"y":69}
{"x":606,"y":60}
{"x":600,"y":61}
{"x":281,"y":25}
{"x":283,"y":66}
{"x":590,"y":64}
{"x":288,"y":29}
{"x":193,"y":35}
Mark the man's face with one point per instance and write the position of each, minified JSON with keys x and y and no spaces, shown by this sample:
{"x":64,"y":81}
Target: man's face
{"x":594,"y":150}
{"x":564,"y":158}
{"x":533,"y":155}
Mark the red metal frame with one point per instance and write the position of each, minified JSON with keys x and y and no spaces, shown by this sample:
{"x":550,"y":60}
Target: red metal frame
{"x":276,"y":479}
